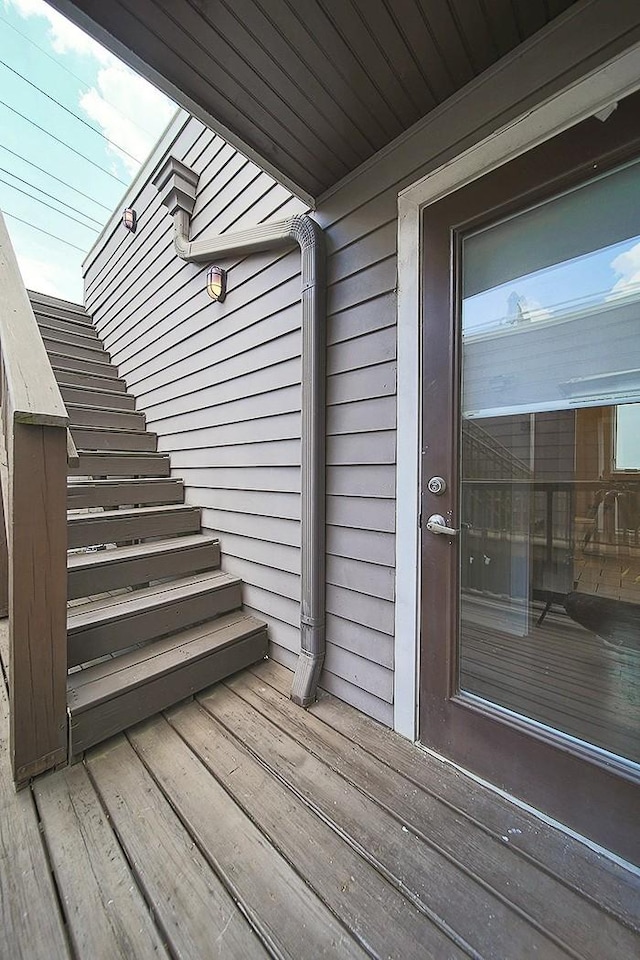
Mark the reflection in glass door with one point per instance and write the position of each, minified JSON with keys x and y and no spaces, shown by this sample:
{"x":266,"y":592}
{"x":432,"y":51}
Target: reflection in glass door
{"x":550,"y":465}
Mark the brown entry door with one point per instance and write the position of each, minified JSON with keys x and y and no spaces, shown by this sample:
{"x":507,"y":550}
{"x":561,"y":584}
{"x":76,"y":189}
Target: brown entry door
{"x":530,"y":646}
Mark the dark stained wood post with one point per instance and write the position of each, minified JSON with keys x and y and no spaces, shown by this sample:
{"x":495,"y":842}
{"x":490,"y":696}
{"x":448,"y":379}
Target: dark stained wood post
{"x":38,"y":600}
{"x":33,"y":541}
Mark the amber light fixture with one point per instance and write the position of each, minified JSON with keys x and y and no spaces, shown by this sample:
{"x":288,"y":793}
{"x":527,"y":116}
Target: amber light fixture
{"x":130,"y":219}
{"x":217,"y":283}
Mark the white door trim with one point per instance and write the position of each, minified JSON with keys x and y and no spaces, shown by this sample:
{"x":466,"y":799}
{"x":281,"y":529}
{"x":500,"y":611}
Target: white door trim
{"x":616,"y":79}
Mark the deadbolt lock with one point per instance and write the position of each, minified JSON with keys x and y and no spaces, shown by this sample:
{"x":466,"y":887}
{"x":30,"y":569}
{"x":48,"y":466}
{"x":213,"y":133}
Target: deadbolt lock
{"x":437,"y":485}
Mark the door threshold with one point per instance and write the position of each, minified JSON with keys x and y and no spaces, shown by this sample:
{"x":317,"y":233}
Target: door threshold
{"x":545,"y":818}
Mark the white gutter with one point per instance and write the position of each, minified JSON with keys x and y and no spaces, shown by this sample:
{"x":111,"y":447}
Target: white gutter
{"x":177,"y":185}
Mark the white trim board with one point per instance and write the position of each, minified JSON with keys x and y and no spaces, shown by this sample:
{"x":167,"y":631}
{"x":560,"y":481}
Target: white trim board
{"x":610,"y":82}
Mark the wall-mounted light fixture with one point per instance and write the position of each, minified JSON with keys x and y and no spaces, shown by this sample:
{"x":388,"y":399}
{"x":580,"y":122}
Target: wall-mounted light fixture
{"x":217,"y":283}
{"x":130,"y":219}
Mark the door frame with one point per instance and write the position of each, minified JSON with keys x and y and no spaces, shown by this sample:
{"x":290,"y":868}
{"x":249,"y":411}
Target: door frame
{"x":594,"y":93}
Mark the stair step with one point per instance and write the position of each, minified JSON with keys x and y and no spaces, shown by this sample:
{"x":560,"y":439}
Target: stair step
{"x":138,"y":523}
{"x":92,"y":573}
{"x":82,"y":494}
{"x":67,"y":331}
{"x":102,"y":627}
{"x":97,"y":398}
{"x":113,"y":695}
{"x":96,"y":368}
{"x":87,"y":415}
{"x":115,"y":464}
{"x":94,"y":352}
{"x":41,"y":303}
{"x":75,"y":378}
{"x":106,"y":438}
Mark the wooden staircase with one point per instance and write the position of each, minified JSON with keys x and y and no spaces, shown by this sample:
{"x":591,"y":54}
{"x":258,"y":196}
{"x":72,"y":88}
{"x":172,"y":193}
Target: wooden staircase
{"x":151,"y":617}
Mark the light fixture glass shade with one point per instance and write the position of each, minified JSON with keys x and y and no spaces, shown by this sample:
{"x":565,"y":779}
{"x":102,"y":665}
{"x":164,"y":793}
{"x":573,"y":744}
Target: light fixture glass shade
{"x":217,"y":283}
{"x":130,"y":219}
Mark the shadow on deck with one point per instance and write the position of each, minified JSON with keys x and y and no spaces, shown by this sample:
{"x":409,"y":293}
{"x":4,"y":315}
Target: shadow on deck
{"x":239,"y":826}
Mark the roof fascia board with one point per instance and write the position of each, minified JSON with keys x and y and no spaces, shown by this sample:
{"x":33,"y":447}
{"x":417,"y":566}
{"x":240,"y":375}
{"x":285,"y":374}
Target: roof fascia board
{"x":163,"y":146}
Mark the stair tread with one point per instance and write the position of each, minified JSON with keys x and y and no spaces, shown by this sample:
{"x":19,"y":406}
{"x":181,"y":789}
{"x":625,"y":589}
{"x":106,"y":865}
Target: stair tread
{"x":61,"y":355}
{"x":90,"y":428}
{"x":115,"y":608}
{"x":82,"y":561}
{"x":95,"y":346}
{"x":156,"y":510}
{"x":74,"y":405}
{"x":101,"y":682}
{"x":155,"y":454}
{"x":131,"y":482}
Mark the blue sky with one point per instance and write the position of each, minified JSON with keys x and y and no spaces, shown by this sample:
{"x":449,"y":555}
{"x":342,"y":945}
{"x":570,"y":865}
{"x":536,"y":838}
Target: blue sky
{"x":54,"y":55}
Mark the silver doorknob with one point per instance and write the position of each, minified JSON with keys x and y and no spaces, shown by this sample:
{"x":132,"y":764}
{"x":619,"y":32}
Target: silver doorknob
{"x":437,"y":524}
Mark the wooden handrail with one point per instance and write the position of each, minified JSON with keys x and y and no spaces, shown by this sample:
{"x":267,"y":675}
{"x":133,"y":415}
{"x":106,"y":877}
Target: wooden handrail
{"x":33,"y":555}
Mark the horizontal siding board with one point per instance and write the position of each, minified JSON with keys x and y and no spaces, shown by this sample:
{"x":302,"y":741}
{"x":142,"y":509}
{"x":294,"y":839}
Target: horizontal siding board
{"x":369,"y":578}
{"x":364,"y":641}
{"x":199,"y":393}
{"x":194,"y":434}
{"x":362,"y":416}
{"x":371,"y":546}
{"x":360,"y":699}
{"x":360,"y":448}
{"x":374,"y":481}
{"x":361,"y":608}
{"x":284,"y":401}
{"x":282,"y":480}
{"x":377,"y":381}
{"x":361,"y":513}
{"x":258,"y":526}
{"x":367,"y":283}
{"x":281,"y":453}
{"x":279,"y":556}
{"x":272,"y":605}
{"x":363,"y":318}
{"x":360,"y":672}
{"x":263,"y":504}
{"x":368,"y":249}
{"x":372,"y":348}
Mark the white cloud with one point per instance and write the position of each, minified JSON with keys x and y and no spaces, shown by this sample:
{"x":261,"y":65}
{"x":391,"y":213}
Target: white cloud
{"x":126,"y":108}
{"x":627,"y":266}
{"x":119,"y":89}
{"x":65,"y":36}
{"x":48,"y":278}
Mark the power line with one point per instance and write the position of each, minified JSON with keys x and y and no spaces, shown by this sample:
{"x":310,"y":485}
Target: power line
{"x":28,"y":223}
{"x":45,"y":204}
{"x":33,"y":186}
{"x":75,"y":76}
{"x":73,"y":150}
{"x":53,"y":177}
{"x":71,"y":112}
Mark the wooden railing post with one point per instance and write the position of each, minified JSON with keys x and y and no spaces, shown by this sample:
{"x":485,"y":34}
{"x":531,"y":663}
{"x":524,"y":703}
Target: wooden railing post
{"x":38,"y":600}
{"x":33,"y":474}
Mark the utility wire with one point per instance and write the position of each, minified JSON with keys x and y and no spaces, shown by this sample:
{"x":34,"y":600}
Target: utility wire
{"x":51,"y":196}
{"x":53,"y":177}
{"x":73,"y":150}
{"x":45,"y":204}
{"x":28,"y":223}
{"x":85,"y":83}
{"x":71,"y":112}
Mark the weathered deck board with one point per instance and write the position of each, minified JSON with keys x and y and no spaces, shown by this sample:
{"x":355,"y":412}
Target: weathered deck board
{"x":576,"y":865}
{"x":239,"y":826}
{"x":347,"y":884}
{"x":106,"y":914}
{"x":550,"y":907}
{"x":433,"y":882}
{"x":280,"y":906}
{"x":200,"y":919}
{"x":31,"y":927}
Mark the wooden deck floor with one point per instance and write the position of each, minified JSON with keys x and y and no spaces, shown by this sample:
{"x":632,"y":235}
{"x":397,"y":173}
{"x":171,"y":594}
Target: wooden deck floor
{"x":239,"y":826}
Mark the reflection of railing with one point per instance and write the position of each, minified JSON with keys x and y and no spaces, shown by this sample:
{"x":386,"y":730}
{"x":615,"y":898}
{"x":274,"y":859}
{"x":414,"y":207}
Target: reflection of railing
{"x":520,"y":537}
{"x":33,"y":558}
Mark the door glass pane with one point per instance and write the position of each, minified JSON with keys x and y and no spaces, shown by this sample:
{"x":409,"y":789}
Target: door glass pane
{"x":550,"y":464}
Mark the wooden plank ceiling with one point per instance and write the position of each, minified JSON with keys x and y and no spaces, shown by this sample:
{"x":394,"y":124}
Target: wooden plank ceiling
{"x":313,"y":88}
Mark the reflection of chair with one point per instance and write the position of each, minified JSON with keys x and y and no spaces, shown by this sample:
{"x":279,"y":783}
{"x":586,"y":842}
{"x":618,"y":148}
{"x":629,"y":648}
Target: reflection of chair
{"x":620,"y":512}
{"x":615,"y":621}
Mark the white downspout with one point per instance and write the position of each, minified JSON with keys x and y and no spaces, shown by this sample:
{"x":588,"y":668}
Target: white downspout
{"x":177,"y":185}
